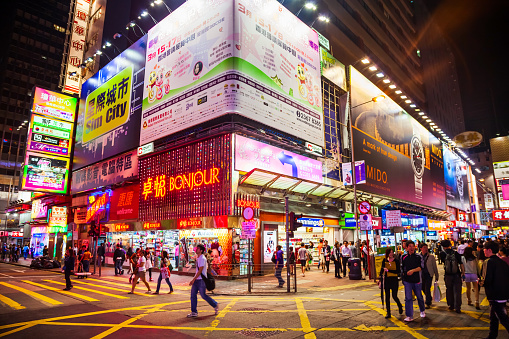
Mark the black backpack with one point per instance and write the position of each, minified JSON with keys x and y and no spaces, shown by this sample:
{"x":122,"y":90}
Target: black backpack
{"x":451,"y":264}
{"x":274,"y":259}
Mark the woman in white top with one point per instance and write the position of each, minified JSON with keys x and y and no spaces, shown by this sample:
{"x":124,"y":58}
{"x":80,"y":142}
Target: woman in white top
{"x":150,"y":263}
{"x":141,"y":264}
{"x":470,"y":264}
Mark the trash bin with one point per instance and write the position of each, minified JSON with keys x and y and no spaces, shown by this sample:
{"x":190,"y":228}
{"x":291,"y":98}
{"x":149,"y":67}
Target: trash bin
{"x":354,"y":264}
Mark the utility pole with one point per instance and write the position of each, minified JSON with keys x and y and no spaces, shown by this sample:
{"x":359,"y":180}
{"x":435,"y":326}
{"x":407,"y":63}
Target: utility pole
{"x":287,"y":247}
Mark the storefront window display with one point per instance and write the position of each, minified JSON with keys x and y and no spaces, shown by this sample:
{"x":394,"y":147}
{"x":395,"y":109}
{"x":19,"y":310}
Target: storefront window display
{"x":306,"y":235}
{"x":39,"y":239}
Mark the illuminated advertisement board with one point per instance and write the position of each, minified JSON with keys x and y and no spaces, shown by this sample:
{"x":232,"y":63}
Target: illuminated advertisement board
{"x":45,"y":173}
{"x":53,"y":104}
{"x":50,"y":136}
{"x":456,"y":181}
{"x":39,"y":209}
{"x":261,"y":62}
{"x":332,"y":69}
{"x":403,"y":159}
{"x":191,"y":181}
{"x":98,"y":206}
{"x":110,"y":108}
{"x":57,"y":221}
{"x":251,"y":154}
{"x":125,"y":203}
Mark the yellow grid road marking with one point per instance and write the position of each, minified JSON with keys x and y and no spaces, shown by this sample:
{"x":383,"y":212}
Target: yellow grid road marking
{"x":11,"y":303}
{"x":342,"y":287}
{"x":90,"y":290}
{"x":33,"y":294}
{"x":127,"y":285}
{"x":485,"y":302}
{"x":304,"y":320}
{"x":80,"y":296}
{"x":112,"y":288}
{"x":221,"y":315}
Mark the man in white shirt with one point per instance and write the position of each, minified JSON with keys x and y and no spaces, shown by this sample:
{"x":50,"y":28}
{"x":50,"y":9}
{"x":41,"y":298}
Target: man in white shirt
{"x":461,"y":248}
{"x":346,"y":254}
{"x":198,"y":285}
{"x":303,"y":257}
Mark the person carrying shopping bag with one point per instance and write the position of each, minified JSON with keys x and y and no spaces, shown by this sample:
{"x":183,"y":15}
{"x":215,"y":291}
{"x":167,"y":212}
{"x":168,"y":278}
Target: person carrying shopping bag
{"x":165,"y":272}
{"x":389,"y":273}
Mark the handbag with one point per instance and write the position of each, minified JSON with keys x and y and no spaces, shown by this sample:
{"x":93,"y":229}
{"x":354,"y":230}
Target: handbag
{"x":437,"y":294}
{"x":210,"y":282}
{"x":165,"y":273}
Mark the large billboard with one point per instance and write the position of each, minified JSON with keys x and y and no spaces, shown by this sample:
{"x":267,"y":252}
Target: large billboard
{"x":252,"y":58}
{"x":403,"y":160}
{"x":45,"y":173}
{"x":54,"y":104}
{"x":50,"y":135}
{"x":456,"y":181}
{"x":110,"y":108}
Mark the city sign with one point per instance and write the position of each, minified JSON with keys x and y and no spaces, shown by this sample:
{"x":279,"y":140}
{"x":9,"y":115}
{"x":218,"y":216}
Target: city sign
{"x":393,"y":218}
{"x":251,"y":154}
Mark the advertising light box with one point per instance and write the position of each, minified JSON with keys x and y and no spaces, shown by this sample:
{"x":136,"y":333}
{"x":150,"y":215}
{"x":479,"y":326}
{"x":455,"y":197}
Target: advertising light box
{"x":456,"y":181}
{"x":49,"y":136}
{"x":53,"y":104}
{"x":403,"y":159}
{"x":110,"y":108}
{"x":45,"y":173}
{"x":261,"y":62}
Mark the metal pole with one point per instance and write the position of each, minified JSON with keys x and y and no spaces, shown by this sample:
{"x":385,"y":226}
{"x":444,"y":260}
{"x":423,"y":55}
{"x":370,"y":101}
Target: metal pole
{"x":287,"y":247}
{"x":94,"y":249}
{"x":249,"y":254}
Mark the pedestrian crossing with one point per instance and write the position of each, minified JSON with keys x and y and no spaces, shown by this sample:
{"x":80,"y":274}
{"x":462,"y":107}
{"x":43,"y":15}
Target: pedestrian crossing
{"x":27,"y":294}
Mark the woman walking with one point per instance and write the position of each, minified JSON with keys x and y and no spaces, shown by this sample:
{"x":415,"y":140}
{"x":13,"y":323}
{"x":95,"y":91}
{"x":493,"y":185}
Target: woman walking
{"x":150,"y":263}
{"x":165,"y":272}
{"x":389,"y":276}
{"x":470,"y":264}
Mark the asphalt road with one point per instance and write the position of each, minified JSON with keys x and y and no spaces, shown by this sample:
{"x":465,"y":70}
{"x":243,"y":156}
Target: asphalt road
{"x":33,"y":304}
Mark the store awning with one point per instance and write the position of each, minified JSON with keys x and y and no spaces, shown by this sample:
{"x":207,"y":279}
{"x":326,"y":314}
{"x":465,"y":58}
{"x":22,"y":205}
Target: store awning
{"x":267,"y":180}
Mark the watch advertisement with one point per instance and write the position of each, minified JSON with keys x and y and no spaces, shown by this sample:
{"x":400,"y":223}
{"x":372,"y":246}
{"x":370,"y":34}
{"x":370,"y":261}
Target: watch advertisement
{"x":456,"y":181}
{"x":110,"y":108}
{"x":45,"y":173}
{"x":403,"y":160}
{"x":261,"y":62}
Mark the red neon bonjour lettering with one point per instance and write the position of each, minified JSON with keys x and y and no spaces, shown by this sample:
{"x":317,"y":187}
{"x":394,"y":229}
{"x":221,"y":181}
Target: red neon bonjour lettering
{"x":246,"y":203}
{"x":161,"y":184}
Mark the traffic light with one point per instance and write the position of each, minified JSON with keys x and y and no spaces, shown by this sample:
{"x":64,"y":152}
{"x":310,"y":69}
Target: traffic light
{"x":94,"y":230}
{"x":294,"y":223}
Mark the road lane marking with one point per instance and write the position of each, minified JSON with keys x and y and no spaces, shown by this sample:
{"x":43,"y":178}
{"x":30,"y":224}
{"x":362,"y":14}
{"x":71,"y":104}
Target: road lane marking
{"x":33,"y":294}
{"x":221,"y":315}
{"x":113,"y":288}
{"x":304,"y":320}
{"x":11,"y":303}
{"x":16,"y":330}
{"x":485,"y":302}
{"x":342,"y":287}
{"x":125,"y":285}
{"x":89,"y":290}
{"x":80,"y":296}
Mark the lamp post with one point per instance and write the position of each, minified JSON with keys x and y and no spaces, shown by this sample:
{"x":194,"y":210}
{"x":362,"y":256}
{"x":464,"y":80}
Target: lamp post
{"x":354,"y":175}
{"x":145,"y":13}
{"x":308,"y":5}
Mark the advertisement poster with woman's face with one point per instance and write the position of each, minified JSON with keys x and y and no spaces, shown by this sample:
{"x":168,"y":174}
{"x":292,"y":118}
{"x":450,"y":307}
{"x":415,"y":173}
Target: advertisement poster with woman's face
{"x":269,"y":245}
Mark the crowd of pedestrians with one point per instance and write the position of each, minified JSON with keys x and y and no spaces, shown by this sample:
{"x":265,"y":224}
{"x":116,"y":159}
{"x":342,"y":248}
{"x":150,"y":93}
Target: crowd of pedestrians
{"x":476,"y":264}
{"x":12,"y":252}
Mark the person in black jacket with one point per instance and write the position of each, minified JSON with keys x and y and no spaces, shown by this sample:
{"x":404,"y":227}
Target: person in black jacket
{"x":68,"y":268}
{"x":119,"y":258}
{"x":389,"y":273}
{"x":495,"y":284}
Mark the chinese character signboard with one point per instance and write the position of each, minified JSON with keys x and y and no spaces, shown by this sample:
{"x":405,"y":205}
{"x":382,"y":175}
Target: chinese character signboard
{"x":76,"y":47}
{"x":125,"y":203}
{"x":393,"y":218}
{"x":98,"y":206}
{"x":110,"y":108}
{"x":500,"y":215}
{"x":53,"y":104}
{"x":251,"y":154}
{"x":57,"y":220}
{"x":120,"y":168}
{"x":261,"y":62}
{"x":45,"y":173}
{"x":192,"y":181}
{"x":50,"y":136}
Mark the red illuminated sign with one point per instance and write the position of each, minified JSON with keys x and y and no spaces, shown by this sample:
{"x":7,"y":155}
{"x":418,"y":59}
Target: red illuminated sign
{"x":121,"y":227}
{"x":17,"y":234}
{"x":151,"y":225}
{"x":501,"y":215}
{"x":247,"y":203}
{"x":157,"y":185}
{"x":125,"y":202}
{"x":186,"y":223}
{"x":97,"y":205}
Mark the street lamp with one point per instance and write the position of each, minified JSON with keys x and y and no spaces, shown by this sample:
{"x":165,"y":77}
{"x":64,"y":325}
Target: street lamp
{"x":145,"y":13}
{"x":308,"y":5}
{"x":158,"y":2}
{"x":132,"y":25}
{"x":322,"y":18}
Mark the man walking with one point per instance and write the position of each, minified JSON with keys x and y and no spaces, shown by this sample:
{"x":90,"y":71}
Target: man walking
{"x":454,"y":269}
{"x":303,"y":257}
{"x":411,"y":267}
{"x":495,"y":284}
{"x":429,"y":271}
{"x":346,"y":254}
{"x":198,"y":285}
{"x":279,"y":266}
{"x":326,"y":253}
{"x":119,"y":257}
{"x":336,"y":256}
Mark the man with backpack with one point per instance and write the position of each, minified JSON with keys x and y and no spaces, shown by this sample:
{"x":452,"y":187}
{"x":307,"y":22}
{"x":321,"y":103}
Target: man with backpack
{"x":454,"y":270}
{"x":277,"y":259}
{"x":495,"y":284}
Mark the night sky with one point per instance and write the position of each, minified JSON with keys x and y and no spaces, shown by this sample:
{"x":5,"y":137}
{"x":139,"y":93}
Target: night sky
{"x":478,"y":33}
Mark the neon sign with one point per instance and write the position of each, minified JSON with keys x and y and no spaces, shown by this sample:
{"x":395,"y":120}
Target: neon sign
{"x":151,"y":225}
{"x":247,"y":203}
{"x":158,"y":187}
{"x":97,"y":204}
{"x":185,"y":223}
{"x":121,"y":227}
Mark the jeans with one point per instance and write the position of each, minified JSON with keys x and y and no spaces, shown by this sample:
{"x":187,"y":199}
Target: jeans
{"x":199,"y":286}
{"x":327,"y":263}
{"x":337,"y":268}
{"x":68,"y":283}
{"x":391,"y":287}
{"x":345,"y":261}
{"x":25,"y":255}
{"x":409,"y":303}
{"x":86,"y":265}
{"x":427,"y":281}
{"x":278,"y":276}
{"x":118,"y":266}
{"x":453,"y":291}
{"x":167,"y":281}
{"x":498,"y":314}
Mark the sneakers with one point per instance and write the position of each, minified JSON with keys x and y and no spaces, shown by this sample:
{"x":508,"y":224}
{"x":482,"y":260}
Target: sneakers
{"x":156,"y":292}
{"x":216,"y":310}
{"x":408,"y":319}
{"x":423,"y":314}
{"x":148,"y":292}
{"x":192,"y":315}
